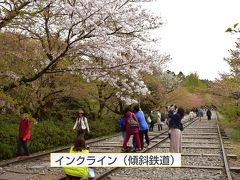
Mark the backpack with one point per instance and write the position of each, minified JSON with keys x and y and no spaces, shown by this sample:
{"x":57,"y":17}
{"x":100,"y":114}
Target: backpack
{"x":132,"y":123}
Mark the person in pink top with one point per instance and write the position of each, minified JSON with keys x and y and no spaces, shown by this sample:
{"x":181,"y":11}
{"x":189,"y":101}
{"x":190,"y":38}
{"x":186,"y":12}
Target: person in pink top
{"x":23,"y":135}
{"x":132,"y":128}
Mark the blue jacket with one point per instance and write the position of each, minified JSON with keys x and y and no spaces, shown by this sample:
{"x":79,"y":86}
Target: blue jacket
{"x":120,"y":124}
{"x":141,"y":120}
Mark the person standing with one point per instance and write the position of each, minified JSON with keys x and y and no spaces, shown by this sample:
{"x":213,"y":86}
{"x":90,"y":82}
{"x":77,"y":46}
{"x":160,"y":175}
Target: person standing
{"x":171,"y":111}
{"x":166,"y":115}
{"x":160,"y":123}
{"x":176,"y":134}
{"x":81,"y":125}
{"x":209,"y":114}
{"x":143,"y":126}
{"x":150,"y":115}
{"x":191,"y":115}
{"x":132,"y":128}
{"x":200,"y":114}
{"x":23,"y":136}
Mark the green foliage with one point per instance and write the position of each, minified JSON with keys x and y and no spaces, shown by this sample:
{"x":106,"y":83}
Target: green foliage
{"x":47,"y":134}
{"x":102,"y":127}
{"x":229,"y":30}
{"x":158,"y":85}
{"x":8,"y":135}
{"x":231,"y":118}
{"x":235,"y":25}
{"x":235,"y":134}
{"x":192,"y":82}
{"x":234,"y":29}
{"x":233,"y":127}
{"x":230,"y":111}
{"x":207,"y":99}
{"x":7,"y":104}
{"x":50,"y":134}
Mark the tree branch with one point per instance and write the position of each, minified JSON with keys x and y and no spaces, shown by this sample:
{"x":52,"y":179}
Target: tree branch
{"x":13,"y":13}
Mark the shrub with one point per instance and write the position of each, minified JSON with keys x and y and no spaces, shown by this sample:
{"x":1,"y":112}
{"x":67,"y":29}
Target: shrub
{"x":50,"y":134}
{"x":102,"y":127}
{"x":47,"y":134}
{"x":8,"y":135}
{"x":235,"y":134}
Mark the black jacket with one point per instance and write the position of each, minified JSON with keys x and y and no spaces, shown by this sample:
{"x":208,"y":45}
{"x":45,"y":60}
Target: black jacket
{"x":175,"y":121}
{"x":209,"y":113}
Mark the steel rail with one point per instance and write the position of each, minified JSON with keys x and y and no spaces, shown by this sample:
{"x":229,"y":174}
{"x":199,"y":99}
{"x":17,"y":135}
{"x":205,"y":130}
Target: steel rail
{"x":40,"y":154}
{"x":105,"y":174}
{"x":225,"y":167}
{"x":35,"y":156}
{"x":224,"y":155}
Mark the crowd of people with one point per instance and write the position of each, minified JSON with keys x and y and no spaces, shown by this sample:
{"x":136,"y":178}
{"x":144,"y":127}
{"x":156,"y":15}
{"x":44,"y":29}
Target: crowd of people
{"x":132,"y":123}
{"x":172,"y":118}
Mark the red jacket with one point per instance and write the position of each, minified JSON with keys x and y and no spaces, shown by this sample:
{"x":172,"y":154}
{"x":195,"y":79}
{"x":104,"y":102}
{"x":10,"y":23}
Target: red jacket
{"x":24,"y":129}
{"x":130,"y":130}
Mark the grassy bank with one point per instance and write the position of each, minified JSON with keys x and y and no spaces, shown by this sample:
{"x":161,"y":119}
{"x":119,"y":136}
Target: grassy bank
{"x":46,"y":134}
{"x":232,"y":129}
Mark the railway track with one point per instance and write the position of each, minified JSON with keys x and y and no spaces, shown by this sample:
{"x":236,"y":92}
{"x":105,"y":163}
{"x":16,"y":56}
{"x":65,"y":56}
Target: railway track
{"x":203,"y":157}
{"x":37,"y":165}
{"x":155,"y":141}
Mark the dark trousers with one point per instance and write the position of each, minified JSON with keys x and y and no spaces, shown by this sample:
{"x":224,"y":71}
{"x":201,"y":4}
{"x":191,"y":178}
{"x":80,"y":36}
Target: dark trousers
{"x":159,"y":127}
{"x":69,"y":177}
{"x":81,"y":133}
{"x":209,"y":117}
{"x":22,"y":149}
{"x":142,"y":133}
{"x":151,"y":126}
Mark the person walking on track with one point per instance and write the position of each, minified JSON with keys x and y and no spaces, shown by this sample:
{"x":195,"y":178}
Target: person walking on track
{"x":200,"y":114}
{"x":209,"y":114}
{"x":81,"y":124}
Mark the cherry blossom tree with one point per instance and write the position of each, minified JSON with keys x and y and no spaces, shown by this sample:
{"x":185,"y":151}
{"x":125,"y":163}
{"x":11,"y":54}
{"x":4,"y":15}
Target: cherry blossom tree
{"x":227,"y":89}
{"x":104,"y":40}
{"x":11,"y":9}
{"x":230,"y":82}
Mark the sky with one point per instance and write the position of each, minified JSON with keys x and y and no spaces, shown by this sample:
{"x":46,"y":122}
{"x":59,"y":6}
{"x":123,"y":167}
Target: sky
{"x":194,"y":34}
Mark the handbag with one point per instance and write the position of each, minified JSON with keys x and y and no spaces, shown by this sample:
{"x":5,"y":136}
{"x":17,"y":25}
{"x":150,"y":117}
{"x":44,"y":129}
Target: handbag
{"x":149,"y":120}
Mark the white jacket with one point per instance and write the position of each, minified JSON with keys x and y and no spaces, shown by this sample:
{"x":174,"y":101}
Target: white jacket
{"x":84,"y":123}
{"x":159,"y":118}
